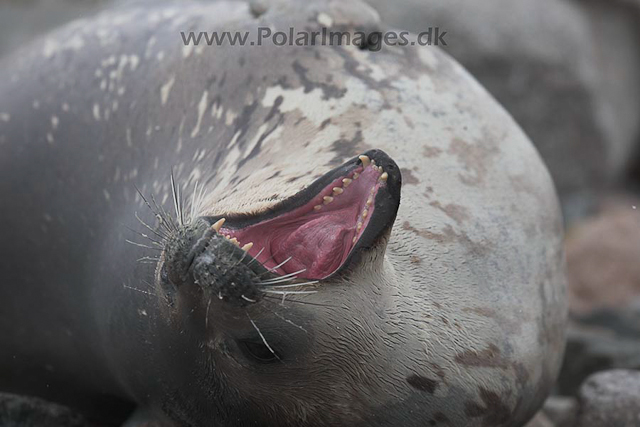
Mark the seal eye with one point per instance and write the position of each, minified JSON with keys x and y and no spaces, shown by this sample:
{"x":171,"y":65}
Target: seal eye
{"x":258,"y":352}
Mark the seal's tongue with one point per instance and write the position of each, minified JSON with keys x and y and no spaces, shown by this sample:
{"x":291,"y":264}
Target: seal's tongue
{"x":315,"y":239}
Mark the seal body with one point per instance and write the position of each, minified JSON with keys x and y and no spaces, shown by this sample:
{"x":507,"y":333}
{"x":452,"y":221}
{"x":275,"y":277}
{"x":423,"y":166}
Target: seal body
{"x":451,"y":312}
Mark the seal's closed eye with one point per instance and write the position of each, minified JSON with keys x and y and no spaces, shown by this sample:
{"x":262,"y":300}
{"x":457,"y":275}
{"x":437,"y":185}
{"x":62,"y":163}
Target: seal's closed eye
{"x":257,"y":351}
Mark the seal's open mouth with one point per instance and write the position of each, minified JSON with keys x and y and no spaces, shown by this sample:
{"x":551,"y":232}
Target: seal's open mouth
{"x":313,"y":233}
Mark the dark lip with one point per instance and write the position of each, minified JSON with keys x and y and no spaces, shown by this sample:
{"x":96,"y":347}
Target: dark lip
{"x":387,"y":201}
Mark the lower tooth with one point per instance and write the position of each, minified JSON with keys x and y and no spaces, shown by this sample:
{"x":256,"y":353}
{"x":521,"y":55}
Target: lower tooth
{"x":365,"y":213}
{"x":317,"y":207}
{"x":358,"y":226}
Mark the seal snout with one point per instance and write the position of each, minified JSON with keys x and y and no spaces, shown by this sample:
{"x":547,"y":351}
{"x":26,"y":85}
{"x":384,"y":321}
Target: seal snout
{"x":198,"y":254}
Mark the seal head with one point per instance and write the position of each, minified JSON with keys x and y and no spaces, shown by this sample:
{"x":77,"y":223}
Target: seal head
{"x":224,"y":283}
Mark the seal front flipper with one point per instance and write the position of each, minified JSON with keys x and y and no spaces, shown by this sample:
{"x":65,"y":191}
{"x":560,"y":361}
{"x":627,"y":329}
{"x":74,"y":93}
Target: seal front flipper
{"x":142,"y":417}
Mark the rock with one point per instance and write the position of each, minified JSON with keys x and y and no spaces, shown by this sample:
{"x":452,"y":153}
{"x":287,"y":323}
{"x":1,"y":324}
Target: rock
{"x":540,"y":420}
{"x":552,"y":65}
{"x":26,"y":411}
{"x":603,"y":258}
{"x":561,"y":411}
{"x":606,"y":339}
{"x":610,"y":399}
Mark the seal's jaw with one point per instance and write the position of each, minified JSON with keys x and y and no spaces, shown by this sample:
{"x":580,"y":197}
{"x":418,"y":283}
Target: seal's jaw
{"x":315,"y":233}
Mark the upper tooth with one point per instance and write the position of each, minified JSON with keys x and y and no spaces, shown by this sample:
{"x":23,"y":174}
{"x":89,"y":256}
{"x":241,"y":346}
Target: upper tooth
{"x":365,"y":160}
{"x":346,"y":181}
{"x":337,"y":190}
{"x":356,"y":175}
{"x":384,"y":176}
{"x":317,"y":207}
{"x":247,"y":246}
{"x":218,"y":224}
{"x":327,"y":199}
{"x":235,"y":241}
{"x":364,"y":213}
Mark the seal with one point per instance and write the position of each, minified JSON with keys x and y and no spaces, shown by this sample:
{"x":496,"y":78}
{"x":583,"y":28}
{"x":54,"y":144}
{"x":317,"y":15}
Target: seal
{"x":214,"y":234}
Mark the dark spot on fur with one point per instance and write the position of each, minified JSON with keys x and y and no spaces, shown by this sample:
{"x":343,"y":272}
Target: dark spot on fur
{"x":431,"y":151}
{"x":444,"y":320}
{"x":489,"y":357}
{"x":408,"y":177}
{"x":456,"y":212}
{"x":493,"y":411}
{"x":449,"y":235}
{"x":422,"y":383}
{"x":474,"y":157}
{"x":325,"y":123}
{"x":415,"y":259}
{"x":328,"y":91}
{"x":345,"y":148}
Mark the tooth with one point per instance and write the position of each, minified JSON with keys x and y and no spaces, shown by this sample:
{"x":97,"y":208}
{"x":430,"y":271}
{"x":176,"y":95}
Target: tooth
{"x":234,"y":241}
{"x":218,"y":224}
{"x":337,"y":190}
{"x":358,"y":226}
{"x":373,"y":162}
{"x":369,"y":201}
{"x":354,"y":239}
{"x":384,"y":176}
{"x":247,"y":246}
{"x":365,"y":213}
{"x":356,"y":175}
{"x":317,"y":207}
{"x":346,"y":181}
{"x":365,"y":160}
{"x":327,"y":199}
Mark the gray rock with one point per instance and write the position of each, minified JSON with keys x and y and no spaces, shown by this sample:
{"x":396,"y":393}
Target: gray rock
{"x":569,"y":73}
{"x":606,"y":339}
{"x":610,"y":399}
{"x":561,"y":410}
{"x":540,"y":420}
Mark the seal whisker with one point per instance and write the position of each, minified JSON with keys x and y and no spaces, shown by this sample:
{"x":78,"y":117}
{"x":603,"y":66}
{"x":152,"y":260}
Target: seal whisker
{"x":147,"y":260}
{"x":175,"y":191}
{"x":157,"y":232}
{"x":142,"y":245}
{"x":255,"y":258}
{"x":139,"y":290}
{"x":156,"y":242}
{"x":206,"y":315}
{"x":193,"y":202}
{"x":164,"y":217}
{"x":266,"y":297}
{"x":247,"y":299}
{"x":264,"y":340}
{"x":289,"y":321}
{"x":293,"y":285}
{"x":279,"y":278}
{"x":290,"y":292}
{"x":158,"y":213}
{"x":272,"y":269}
